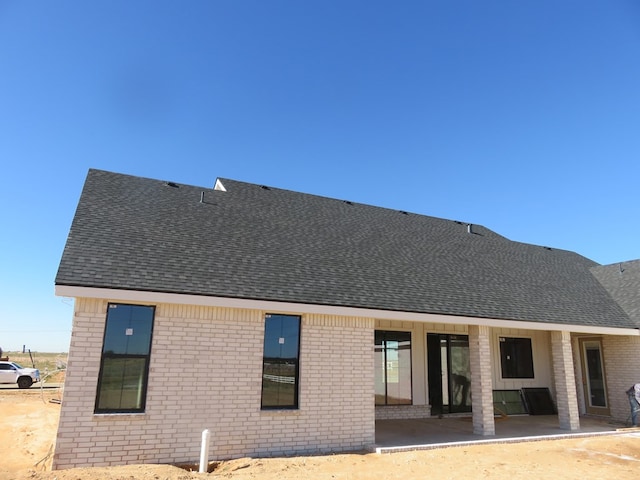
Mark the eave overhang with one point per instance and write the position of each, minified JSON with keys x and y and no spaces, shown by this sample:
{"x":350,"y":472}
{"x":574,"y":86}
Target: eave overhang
{"x":137,"y":296}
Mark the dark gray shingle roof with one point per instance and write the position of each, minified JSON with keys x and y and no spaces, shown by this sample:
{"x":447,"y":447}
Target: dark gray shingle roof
{"x":263,"y":243}
{"x":622,"y":281}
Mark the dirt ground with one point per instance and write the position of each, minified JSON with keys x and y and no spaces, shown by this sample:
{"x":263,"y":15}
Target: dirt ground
{"x":29,"y":419}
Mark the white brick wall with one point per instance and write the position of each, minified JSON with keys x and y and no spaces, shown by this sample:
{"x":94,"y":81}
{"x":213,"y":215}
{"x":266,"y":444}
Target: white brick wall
{"x":481,"y":381}
{"x":563,"y":374}
{"x":205,"y":372}
{"x":206,"y":367}
{"x":622,"y":369}
{"x":402,"y":412}
{"x":621,"y":356}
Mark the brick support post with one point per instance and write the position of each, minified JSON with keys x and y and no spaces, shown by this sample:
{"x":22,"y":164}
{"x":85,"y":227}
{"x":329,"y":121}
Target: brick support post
{"x":566,"y":396}
{"x":481,"y":383}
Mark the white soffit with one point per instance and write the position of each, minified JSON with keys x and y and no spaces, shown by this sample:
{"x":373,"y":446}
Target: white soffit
{"x":116,"y":295}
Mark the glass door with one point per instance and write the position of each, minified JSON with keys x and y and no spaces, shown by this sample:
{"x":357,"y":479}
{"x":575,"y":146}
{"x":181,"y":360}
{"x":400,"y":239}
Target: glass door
{"x":449,"y":373}
{"x":593,"y":377}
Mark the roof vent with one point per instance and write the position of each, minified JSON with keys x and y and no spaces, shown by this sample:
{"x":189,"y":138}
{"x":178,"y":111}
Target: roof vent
{"x":171,"y":184}
{"x":264,"y":187}
{"x":347,"y":202}
{"x":403,"y":212}
{"x":470,"y":228}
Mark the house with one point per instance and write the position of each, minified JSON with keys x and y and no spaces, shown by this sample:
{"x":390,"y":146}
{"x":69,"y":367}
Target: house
{"x":287,"y":323}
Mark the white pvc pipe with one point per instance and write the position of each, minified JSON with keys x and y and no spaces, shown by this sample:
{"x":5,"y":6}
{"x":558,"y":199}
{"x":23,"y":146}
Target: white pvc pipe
{"x":204,"y":452}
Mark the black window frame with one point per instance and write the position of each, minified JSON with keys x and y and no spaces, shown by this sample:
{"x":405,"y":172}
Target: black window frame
{"x":267,"y":362}
{"x":108,"y":355}
{"x":516,"y":357}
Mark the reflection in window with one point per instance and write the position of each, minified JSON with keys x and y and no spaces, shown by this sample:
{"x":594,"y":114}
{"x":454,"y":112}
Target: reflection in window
{"x":280,"y":361}
{"x":393,"y":368}
{"x":516,"y":357}
{"x":124,"y":367}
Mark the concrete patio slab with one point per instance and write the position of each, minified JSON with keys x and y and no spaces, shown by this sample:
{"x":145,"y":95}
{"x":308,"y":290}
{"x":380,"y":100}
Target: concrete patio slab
{"x":429,"y":433}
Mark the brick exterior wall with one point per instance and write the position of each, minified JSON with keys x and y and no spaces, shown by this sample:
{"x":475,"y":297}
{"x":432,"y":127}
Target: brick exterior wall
{"x":402,"y":412}
{"x":481,"y":381}
{"x":565,"y":385}
{"x":622,"y":369}
{"x":621,"y":357}
{"x":206,"y":372}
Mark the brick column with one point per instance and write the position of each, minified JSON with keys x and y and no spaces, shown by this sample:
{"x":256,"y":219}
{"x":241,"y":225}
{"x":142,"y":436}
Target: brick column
{"x":481,"y":383}
{"x":566,"y":396}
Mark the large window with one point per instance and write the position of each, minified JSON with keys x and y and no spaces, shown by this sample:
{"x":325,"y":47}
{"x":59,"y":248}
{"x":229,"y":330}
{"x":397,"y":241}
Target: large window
{"x":393,"y":368}
{"x":516,"y":357}
{"x":122,"y":382}
{"x":280,"y":361}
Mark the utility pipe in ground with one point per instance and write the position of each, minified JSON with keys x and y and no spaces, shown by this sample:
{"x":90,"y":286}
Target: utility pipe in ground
{"x":204,"y":452}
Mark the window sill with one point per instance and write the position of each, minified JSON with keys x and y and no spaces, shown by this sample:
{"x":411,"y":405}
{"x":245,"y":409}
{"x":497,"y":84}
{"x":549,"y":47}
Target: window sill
{"x":279,"y":412}
{"x":127,"y":416}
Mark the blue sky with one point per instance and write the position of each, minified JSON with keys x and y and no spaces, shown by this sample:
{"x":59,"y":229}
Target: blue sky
{"x":522,"y":116}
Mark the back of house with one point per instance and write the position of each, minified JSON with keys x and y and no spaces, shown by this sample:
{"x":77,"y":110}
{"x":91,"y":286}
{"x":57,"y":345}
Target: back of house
{"x":288,"y":323}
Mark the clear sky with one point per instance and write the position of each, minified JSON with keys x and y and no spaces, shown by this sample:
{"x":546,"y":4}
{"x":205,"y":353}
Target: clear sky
{"x":522,"y":116}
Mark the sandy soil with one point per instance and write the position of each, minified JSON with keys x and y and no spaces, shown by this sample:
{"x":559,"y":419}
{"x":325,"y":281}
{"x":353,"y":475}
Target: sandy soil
{"x":29,"y":419}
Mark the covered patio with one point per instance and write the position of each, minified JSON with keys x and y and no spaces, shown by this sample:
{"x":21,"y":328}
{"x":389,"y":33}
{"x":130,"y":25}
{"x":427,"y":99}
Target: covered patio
{"x":429,"y":433}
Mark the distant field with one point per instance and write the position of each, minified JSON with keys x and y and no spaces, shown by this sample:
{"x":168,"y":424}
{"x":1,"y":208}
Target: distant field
{"x":51,"y":365}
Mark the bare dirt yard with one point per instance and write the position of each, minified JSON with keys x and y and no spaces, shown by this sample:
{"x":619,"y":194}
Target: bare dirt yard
{"x":29,"y":419}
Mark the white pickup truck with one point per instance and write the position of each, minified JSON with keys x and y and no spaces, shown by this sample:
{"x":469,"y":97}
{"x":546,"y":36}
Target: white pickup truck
{"x":11,"y":372}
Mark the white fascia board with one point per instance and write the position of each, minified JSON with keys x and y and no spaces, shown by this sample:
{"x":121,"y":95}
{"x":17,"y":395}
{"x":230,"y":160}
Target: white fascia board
{"x":300,"y":308}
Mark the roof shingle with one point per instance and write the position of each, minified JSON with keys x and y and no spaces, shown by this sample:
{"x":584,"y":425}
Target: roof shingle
{"x":262,"y":243}
{"x":622,"y":281}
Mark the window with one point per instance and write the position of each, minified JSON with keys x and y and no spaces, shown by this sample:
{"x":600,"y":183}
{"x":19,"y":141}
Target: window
{"x":280,"y":361}
{"x":124,"y":368}
{"x":516,"y":357}
{"x":393,"y":368}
